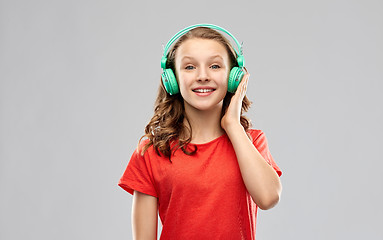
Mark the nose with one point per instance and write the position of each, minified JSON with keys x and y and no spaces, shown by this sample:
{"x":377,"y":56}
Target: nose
{"x":203,"y":75}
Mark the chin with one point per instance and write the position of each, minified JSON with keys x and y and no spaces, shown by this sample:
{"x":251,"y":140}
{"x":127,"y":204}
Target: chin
{"x":207,"y":107}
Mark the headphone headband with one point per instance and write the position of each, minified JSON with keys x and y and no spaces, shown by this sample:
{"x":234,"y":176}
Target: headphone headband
{"x":240,"y":58}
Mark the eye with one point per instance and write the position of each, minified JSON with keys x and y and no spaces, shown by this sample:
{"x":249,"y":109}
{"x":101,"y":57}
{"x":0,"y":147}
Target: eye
{"x":215,"y":66}
{"x":189,"y":67}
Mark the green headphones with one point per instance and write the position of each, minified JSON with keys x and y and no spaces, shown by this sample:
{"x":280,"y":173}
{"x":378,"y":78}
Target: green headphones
{"x":236,"y":73}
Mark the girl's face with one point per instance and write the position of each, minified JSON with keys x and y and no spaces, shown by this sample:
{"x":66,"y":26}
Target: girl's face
{"x":202,"y":69}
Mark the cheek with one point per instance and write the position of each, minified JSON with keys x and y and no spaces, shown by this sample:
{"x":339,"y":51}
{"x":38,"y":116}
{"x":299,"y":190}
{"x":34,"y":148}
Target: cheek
{"x":223,"y":76}
{"x":183,"y":81}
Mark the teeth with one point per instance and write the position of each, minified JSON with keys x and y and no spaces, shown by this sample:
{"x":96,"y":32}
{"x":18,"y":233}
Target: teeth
{"x":203,"y":90}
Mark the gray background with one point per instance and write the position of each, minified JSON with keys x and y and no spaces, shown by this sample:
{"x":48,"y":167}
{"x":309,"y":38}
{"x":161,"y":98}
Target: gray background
{"x":78,"y":83}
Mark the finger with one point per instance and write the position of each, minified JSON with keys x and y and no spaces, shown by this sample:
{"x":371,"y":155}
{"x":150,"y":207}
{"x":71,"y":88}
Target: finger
{"x":247,"y":76}
{"x":245,"y":82}
{"x":242,"y":87}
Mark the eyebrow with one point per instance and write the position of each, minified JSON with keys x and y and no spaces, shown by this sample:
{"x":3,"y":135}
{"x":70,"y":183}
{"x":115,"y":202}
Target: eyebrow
{"x":212,"y":57}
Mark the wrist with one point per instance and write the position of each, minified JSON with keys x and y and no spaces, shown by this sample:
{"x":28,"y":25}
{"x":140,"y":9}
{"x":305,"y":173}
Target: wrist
{"x":233,"y":127}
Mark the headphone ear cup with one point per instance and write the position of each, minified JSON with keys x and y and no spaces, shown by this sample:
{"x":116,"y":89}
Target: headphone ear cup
{"x":170,"y":82}
{"x":235,"y":77}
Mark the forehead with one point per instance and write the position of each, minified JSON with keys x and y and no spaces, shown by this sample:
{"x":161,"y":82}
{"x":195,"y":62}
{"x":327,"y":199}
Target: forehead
{"x":201,"y":48}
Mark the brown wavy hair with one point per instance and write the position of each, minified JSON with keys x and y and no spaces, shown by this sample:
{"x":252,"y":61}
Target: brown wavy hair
{"x":166,"y":130}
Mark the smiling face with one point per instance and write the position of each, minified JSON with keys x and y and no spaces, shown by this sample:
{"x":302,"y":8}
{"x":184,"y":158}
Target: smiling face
{"x":202,"y":68}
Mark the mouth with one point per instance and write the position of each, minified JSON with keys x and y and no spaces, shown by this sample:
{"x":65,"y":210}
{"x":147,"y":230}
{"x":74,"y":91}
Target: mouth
{"x":203,"y":90}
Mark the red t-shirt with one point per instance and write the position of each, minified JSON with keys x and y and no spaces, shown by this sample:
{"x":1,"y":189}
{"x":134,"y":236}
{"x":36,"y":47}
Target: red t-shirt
{"x":201,"y":196}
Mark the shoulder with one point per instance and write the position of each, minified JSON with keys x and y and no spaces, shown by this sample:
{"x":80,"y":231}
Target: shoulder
{"x":255,"y":134}
{"x":143,"y":148}
{"x":142,"y":144}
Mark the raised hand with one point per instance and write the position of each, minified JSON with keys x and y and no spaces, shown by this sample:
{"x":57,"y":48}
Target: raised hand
{"x":233,"y":113}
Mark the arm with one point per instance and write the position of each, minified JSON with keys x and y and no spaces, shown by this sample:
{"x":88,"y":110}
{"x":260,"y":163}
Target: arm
{"x":144,"y":216}
{"x":261,"y":180}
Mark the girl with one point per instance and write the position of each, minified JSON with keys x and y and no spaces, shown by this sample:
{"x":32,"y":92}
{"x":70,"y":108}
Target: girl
{"x":201,"y":166}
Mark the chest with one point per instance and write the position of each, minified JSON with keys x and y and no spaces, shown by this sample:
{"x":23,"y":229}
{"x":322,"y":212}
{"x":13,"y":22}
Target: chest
{"x":210,"y":170}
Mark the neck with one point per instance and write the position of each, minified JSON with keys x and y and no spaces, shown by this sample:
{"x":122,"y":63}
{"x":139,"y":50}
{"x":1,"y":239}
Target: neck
{"x":206,"y":125}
